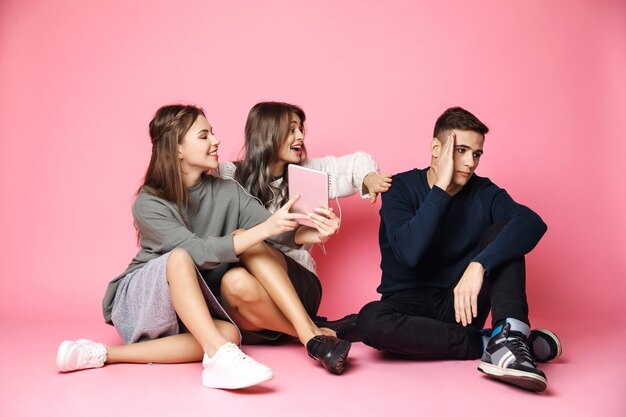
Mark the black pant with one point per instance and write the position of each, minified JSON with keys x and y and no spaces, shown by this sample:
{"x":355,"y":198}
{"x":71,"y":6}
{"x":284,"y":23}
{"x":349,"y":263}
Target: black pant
{"x":420,"y":321}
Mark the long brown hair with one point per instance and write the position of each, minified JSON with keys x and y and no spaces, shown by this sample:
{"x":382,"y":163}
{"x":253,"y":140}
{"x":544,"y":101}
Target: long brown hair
{"x":164,"y":176}
{"x":267,"y":128}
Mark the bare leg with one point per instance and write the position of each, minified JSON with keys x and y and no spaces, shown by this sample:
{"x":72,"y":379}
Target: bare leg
{"x":206,"y":334}
{"x":178,"y":348}
{"x":268,"y":266}
{"x":189,"y":303}
{"x":250,"y":306}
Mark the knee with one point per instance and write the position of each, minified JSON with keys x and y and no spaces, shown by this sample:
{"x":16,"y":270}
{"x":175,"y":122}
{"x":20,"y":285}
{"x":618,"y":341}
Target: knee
{"x":179,"y":260}
{"x":262,"y":254}
{"x":260,"y":248}
{"x":369,"y":323}
{"x":239,"y":287}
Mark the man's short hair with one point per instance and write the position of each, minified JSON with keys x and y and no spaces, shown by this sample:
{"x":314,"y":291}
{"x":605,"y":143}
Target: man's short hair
{"x":459,"y":118}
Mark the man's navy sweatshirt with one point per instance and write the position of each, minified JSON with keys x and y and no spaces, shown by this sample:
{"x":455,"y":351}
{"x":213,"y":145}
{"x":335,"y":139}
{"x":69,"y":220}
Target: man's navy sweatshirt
{"x":427,"y":237}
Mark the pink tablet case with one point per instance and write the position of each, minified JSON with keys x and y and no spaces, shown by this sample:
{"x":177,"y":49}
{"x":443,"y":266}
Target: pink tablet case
{"x":312,"y":185}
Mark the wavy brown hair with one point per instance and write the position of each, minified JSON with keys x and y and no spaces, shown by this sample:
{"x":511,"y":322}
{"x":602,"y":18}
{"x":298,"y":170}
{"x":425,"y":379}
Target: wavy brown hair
{"x":164,"y":176}
{"x":267,"y":128}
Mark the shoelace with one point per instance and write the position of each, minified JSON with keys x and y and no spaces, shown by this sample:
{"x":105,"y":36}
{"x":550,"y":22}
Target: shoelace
{"x":96,"y":355}
{"x":236,"y":352}
{"x":518,"y":346}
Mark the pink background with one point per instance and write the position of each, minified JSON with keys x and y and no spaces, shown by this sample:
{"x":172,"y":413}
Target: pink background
{"x":80,"y":83}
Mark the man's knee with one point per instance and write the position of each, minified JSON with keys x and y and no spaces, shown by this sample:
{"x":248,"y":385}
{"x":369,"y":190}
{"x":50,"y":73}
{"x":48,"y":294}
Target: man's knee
{"x":370,"y":325}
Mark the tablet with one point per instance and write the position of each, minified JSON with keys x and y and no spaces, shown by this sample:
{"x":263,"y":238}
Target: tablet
{"x":312,"y":185}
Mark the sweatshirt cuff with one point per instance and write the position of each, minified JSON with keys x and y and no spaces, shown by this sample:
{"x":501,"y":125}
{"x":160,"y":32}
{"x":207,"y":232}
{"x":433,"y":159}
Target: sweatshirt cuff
{"x":364,"y":164}
{"x":225,"y":249}
{"x":485,"y":260}
{"x":286,"y":239}
{"x":439,"y":196}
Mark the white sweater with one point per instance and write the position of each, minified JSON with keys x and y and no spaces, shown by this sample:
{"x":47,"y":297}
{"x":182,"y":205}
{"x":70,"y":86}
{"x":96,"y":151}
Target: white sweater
{"x":345,"y":177}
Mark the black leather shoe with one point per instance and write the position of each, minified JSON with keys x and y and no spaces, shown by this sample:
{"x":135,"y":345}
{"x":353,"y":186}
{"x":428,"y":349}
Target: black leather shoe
{"x":330,"y":351}
{"x":345,"y":327}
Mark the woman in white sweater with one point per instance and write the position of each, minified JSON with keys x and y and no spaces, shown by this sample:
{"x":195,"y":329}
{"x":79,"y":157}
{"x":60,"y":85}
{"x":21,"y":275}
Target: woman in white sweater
{"x":191,"y":227}
{"x":274,"y":138}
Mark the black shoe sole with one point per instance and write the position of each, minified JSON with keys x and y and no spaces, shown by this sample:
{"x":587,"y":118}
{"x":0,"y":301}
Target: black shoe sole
{"x":339,"y":357}
{"x":525,"y":380}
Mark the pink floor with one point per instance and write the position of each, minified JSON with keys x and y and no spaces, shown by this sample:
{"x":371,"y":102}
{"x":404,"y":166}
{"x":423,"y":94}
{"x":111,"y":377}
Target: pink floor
{"x":588,"y":380}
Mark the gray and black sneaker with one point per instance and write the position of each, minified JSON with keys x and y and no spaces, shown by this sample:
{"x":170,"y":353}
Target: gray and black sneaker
{"x":508,"y":359}
{"x":544,"y":345}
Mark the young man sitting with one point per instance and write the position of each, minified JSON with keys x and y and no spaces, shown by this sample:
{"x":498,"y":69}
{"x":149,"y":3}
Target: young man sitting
{"x":453,"y":246}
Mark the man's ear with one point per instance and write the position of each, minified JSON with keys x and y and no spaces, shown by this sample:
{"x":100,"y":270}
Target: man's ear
{"x":435,"y":147}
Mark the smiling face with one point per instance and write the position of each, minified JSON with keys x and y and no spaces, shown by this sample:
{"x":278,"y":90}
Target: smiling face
{"x":291,"y":150}
{"x":198,"y":149}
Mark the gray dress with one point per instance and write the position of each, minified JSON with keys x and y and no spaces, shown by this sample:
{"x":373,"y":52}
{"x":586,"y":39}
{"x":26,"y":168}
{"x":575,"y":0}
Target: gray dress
{"x":137,"y":302}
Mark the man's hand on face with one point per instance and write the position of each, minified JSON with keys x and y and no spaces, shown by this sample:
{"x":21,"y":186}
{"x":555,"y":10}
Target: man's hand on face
{"x":466,"y":293}
{"x":444,"y":168}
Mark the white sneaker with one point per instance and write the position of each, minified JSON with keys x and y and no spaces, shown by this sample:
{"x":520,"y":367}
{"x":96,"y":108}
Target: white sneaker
{"x":81,"y":354}
{"x":230,"y":368}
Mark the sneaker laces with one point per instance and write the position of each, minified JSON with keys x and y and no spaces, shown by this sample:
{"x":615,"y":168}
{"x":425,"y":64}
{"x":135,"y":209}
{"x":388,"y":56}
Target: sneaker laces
{"x":96,"y":354}
{"x":517,"y":345}
{"x":236,"y":353}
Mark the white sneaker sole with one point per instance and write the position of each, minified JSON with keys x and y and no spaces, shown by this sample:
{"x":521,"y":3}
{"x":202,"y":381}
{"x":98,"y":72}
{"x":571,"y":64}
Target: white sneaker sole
{"x":556,"y":340}
{"x":64,"y":350}
{"x":526,"y":380}
{"x":210,"y":380}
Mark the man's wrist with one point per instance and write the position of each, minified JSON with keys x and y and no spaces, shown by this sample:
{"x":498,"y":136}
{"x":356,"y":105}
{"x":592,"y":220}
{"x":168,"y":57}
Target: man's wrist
{"x":442,"y":186}
{"x":478,"y":266}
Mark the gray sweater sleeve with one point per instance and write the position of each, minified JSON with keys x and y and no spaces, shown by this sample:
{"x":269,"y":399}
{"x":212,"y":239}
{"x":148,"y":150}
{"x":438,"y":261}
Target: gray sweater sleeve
{"x":162,"y":229}
{"x":251,"y":213}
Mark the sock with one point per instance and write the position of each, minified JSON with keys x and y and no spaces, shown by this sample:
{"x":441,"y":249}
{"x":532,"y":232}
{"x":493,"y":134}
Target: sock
{"x":516,"y":326}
